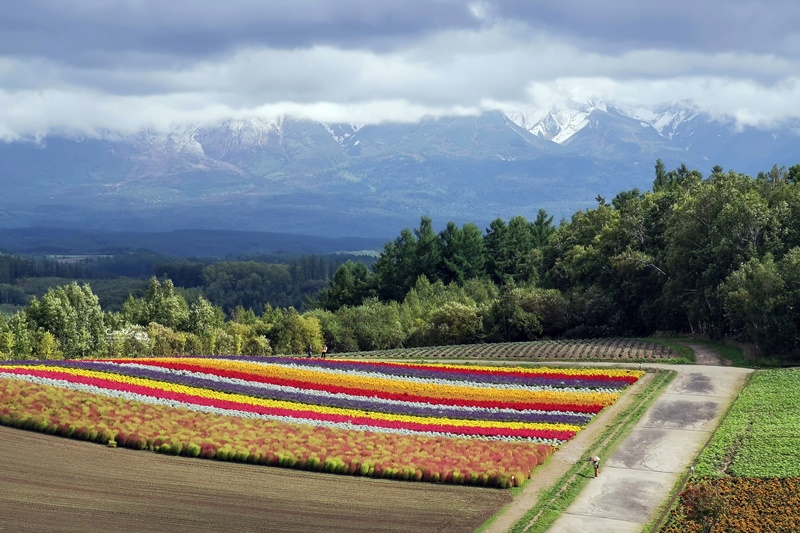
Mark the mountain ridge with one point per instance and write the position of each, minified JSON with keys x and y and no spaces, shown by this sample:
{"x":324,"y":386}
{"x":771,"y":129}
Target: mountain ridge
{"x":295,"y":175}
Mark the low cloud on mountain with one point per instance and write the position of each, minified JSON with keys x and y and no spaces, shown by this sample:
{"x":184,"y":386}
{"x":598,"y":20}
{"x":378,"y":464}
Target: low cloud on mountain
{"x":125,"y":65}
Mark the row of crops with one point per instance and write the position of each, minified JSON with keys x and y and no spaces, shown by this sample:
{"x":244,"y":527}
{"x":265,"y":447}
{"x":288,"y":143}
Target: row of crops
{"x":610,"y":349}
{"x":431,"y":422}
{"x":748,"y":477}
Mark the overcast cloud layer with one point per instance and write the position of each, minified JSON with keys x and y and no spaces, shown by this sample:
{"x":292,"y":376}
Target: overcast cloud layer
{"x":91,"y":65}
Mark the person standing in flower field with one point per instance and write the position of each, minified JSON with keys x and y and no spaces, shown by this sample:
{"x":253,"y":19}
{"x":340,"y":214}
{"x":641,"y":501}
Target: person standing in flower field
{"x":310,"y":350}
{"x":324,"y":350}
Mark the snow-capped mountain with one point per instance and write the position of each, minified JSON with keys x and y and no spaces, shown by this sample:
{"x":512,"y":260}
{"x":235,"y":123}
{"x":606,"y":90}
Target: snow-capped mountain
{"x":369,"y":180}
{"x":556,"y":124}
{"x":559,"y":124}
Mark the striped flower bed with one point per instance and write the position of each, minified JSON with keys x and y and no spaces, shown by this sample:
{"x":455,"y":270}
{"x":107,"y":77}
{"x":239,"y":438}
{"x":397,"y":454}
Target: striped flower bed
{"x":477,"y":406}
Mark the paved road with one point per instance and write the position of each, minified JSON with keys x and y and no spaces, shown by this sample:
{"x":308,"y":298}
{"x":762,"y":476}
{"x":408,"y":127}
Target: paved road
{"x":636,"y":480}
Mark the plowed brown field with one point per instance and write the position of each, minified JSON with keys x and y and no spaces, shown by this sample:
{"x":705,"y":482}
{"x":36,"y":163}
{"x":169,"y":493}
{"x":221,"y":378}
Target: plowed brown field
{"x":51,"y":484}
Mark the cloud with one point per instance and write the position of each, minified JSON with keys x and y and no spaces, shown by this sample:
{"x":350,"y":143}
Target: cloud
{"x":91,"y":65}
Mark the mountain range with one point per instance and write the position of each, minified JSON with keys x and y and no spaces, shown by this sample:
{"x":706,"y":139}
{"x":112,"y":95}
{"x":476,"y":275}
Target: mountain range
{"x":305,"y":177}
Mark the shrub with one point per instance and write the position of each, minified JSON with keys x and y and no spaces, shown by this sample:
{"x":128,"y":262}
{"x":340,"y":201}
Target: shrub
{"x":193,"y":450}
{"x":703,"y":504}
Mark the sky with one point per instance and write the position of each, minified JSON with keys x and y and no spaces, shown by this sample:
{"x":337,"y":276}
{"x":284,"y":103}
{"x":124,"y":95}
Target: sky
{"x":124,"y":65}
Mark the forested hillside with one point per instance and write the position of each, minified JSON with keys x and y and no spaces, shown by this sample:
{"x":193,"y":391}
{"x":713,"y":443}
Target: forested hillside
{"x":716,"y":256}
{"x":249,"y":282}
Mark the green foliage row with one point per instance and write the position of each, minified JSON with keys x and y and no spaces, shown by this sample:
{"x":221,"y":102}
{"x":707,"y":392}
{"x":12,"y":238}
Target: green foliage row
{"x":760,"y":434}
{"x":610,"y":349}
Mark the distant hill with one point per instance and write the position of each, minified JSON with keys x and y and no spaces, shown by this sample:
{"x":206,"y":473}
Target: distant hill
{"x":301,"y":177}
{"x":182,"y":243}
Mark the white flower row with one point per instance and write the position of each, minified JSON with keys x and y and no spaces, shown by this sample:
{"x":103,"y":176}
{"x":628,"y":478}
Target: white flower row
{"x":92,"y":389}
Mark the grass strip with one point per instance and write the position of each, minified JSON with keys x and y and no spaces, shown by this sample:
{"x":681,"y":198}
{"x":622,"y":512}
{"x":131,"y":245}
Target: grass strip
{"x":561,"y":494}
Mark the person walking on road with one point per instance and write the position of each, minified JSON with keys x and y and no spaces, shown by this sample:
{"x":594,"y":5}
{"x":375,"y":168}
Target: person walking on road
{"x":324,"y":350}
{"x":310,"y":350}
{"x":596,"y":463}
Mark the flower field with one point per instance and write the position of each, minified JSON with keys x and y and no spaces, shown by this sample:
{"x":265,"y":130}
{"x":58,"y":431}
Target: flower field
{"x":461,"y":424}
{"x":753,"y":460}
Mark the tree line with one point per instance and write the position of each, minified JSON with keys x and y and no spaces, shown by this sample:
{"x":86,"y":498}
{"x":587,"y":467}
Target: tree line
{"x":249,"y":282}
{"x":717,"y":256}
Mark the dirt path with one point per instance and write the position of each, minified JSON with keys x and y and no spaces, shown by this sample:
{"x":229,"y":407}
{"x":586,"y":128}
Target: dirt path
{"x":53,"y":484}
{"x":707,"y":356}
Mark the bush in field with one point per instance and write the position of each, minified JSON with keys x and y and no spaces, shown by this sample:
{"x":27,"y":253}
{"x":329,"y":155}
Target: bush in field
{"x":193,"y":450}
{"x":703,"y":504}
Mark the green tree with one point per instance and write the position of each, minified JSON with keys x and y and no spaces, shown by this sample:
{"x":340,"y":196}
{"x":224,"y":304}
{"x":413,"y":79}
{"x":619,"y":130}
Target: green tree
{"x":16,"y":337}
{"x":297,"y":332}
{"x":455,"y":323}
{"x":373,"y":325}
{"x":463,"y":253}
{"x":352,"y":283}
{"x":760,"y":300}
{"x":72,"y":314}
{"x":395,"y":269}
{"x":715,"y":226}
{"x":427,"y":254}
{"x":542,"y":228}
{"x":205,"y":320}
{"x":161,"y":304}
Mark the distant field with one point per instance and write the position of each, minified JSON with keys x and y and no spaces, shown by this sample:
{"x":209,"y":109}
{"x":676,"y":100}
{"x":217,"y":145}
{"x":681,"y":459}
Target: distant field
{"x":183,"y":243}
{"x":552,"y":350}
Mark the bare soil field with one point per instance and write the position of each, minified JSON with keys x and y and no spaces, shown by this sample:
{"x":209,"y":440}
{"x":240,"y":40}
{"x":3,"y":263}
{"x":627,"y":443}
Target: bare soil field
{"x":51,"y":484}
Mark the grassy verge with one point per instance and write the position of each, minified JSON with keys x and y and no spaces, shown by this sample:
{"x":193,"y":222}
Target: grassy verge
{"x":557,"y":498}
{"x":685,"y":354}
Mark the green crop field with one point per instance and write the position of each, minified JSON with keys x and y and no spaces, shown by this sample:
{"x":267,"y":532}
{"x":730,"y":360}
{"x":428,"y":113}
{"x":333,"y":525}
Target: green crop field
{"x":749,"y":474}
